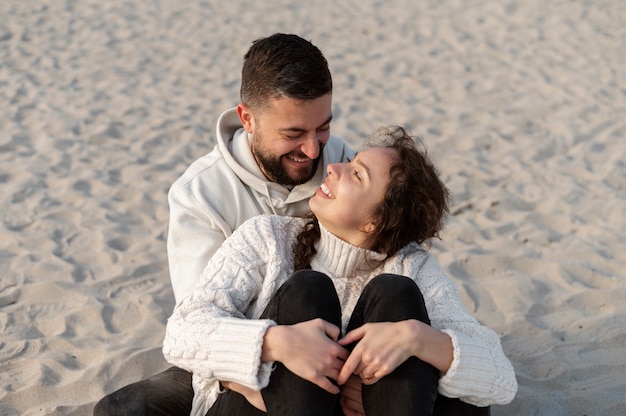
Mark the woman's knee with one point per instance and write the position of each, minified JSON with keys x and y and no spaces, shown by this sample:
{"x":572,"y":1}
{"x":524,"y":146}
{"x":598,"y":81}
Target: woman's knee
{"x":309,"y":284}
{"x":393,"y":285}
{"x":390,"y":297}
{"x":306,"y":295}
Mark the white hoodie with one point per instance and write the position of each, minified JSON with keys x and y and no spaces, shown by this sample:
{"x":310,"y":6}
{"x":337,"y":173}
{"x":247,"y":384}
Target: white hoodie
{"x":220,"y":191}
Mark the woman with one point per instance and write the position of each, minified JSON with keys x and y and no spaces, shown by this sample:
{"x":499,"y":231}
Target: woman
{"x":264,"y":323}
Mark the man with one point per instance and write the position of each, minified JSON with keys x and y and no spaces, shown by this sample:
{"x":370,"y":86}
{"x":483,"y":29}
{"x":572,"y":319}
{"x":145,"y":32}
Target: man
{"x":267,"y":159}
{"x":271,"y":156}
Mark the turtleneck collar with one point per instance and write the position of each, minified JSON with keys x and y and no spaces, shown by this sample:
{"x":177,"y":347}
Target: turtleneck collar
{"x":339,"y":258}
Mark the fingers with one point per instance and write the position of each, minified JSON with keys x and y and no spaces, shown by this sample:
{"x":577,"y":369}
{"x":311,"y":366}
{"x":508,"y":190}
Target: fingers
{"x":334,"y":369}
{"x":349,"y":367}
{"x":352,"y":390}
{"x":327,"y":385}
{"x":337,"y":350}
{"x":351,"y":399}
{"x":343,"y":355}
{"x":367,"y":366}
{"x":351,"y":408}
{"x":367,"y":374}
{"x":370,"y":374}
{"x":337,"y":355}
{"x":368,"y":378}
{"x":353,"y":336}
{"x":331,"y":330}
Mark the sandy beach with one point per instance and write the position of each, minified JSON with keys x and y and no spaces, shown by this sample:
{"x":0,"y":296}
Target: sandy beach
{"x":522,"y":105}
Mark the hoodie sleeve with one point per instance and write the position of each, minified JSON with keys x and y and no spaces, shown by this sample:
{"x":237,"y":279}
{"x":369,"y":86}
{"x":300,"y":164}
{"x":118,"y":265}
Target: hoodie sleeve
{"x":193,"y":237}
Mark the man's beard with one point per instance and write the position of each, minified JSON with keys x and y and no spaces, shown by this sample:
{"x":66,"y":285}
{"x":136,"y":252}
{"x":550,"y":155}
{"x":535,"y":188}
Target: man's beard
{"x":274,"y":170}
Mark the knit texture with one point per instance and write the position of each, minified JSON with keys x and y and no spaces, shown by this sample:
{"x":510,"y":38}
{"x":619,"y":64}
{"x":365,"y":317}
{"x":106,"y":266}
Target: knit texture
{"x":216,"y":334}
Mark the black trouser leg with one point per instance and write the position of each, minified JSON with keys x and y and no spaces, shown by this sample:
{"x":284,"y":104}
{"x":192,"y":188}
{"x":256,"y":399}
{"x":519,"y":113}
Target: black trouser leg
{"x":168,"y":393}
{"x":391,"y":298}
{"x":445,"y":406}
{"x":411,"y":389}
{"x":306,"y":295}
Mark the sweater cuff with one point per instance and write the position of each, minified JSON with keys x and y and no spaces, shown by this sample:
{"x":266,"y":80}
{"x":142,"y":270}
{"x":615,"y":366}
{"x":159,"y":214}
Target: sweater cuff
{"x":236,"y":353}
{"x":471,"y":374}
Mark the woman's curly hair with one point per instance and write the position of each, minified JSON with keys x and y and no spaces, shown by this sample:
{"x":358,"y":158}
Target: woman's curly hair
{"x":415,"y":205}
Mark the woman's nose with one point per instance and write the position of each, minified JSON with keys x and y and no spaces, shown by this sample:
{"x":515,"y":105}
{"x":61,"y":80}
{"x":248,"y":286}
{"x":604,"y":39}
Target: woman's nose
{"x":336,"y":169}
{"x":332,"y":169}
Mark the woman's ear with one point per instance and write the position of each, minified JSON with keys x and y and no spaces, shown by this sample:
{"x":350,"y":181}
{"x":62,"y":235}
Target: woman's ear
{"x":370,"y":227}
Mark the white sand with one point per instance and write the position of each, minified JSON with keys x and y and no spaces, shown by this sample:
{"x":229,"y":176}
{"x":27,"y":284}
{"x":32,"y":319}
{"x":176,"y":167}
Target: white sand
{"x":104,"y":103}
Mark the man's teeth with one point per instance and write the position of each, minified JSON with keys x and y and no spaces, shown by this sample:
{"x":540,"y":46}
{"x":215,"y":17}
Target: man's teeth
{"x":327,"y":191}
{"x":298,"y":159}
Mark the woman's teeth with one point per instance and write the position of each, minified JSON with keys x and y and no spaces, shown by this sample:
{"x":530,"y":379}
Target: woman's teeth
{"x":327,"y":191}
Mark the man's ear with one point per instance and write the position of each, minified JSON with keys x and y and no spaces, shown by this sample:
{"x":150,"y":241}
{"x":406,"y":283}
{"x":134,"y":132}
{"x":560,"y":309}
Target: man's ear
{"x":246,"y":117}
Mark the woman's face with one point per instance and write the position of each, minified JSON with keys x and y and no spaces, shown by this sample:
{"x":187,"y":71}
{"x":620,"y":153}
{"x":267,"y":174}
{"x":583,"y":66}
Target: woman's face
{"x":345,"y":203}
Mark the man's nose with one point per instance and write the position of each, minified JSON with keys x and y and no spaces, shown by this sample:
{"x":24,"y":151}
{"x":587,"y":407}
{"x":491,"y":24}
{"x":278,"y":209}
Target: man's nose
{"x":311,"y":146}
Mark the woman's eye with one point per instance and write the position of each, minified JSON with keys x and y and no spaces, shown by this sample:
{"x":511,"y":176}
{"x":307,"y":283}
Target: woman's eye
{"x":357,"y":174}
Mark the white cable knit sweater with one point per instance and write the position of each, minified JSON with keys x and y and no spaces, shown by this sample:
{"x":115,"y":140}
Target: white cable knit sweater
{"x":216,"y":334}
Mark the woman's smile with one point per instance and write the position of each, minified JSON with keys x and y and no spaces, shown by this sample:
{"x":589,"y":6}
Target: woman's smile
{"x":327,"y":191}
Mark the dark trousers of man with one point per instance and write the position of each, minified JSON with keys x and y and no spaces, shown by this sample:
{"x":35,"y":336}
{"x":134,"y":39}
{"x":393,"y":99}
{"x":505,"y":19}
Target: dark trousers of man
{"x":411,"y":389}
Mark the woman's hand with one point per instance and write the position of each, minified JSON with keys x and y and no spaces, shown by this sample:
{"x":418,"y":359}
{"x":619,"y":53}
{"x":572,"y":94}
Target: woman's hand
{"x":351,"y":400}
{"x":252,"y":396}
{"x":383,"y":346}
{"x":308,"y":349}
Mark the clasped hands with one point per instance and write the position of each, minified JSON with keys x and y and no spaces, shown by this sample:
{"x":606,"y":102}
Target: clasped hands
{"x":313,"y":351}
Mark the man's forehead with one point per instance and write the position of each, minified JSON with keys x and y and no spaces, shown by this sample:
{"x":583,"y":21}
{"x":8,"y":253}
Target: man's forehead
{"x":291,"y":113}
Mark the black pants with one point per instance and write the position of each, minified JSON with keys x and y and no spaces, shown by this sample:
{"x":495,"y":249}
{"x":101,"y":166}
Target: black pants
{"x":410,"y":390}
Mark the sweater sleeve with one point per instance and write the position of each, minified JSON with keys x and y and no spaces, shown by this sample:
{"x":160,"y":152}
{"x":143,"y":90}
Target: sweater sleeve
{"x":480,"y":373}
{"x":209,"y":332}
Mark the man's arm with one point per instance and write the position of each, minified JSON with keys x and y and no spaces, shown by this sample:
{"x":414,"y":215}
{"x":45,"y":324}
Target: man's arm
{"x":194,"y":236}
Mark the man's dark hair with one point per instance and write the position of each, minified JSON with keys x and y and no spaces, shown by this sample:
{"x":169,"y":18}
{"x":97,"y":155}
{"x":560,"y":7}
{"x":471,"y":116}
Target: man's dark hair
{"x":283,"y":65}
